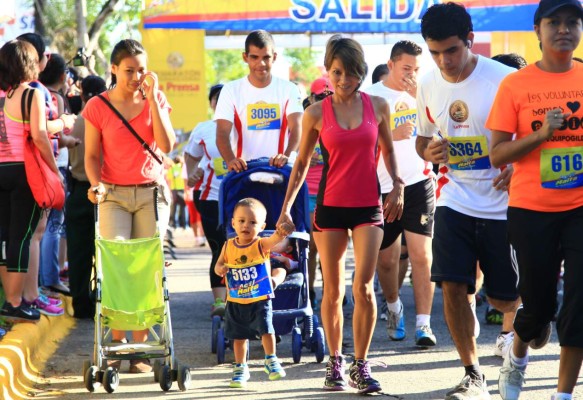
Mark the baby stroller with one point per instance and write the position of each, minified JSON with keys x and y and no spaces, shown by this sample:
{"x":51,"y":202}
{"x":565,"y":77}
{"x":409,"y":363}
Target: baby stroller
{"x":131,"y":294}
{"x":292,"y":311}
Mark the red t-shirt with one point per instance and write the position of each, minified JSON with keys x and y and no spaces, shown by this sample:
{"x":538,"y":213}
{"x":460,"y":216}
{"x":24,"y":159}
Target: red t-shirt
{"x":125,"y":162}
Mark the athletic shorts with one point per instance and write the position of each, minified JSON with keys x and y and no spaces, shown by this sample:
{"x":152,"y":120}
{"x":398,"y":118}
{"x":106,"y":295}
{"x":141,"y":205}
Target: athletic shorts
{"x":248,"y":321}
{"x":461,"y":241}
{"x":542,"y":240}
{"x":418,"y":213}
{"x":312,"y":198}
{"x":327,"y":218}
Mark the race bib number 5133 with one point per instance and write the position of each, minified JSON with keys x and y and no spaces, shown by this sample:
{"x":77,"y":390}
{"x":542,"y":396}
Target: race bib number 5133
{"x":248,"y":282}
{"x":561,"y":168}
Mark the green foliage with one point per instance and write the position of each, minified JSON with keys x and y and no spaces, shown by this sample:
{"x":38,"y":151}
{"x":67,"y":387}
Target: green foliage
{"x":303,"y":63}
{"x":223,"y":66}
{"x":60,"y":23}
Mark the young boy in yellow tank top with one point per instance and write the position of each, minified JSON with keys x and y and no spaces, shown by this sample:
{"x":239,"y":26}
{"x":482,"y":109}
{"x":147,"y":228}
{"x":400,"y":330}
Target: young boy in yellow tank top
{"x":244,"y":261}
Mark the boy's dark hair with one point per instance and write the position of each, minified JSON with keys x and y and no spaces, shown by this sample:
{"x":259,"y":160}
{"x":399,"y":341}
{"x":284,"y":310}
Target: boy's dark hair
{"x":252,"y":203}
{"x":511,"y":59}
{"x":380,"y":70}
{"x":91,"y":86}
{"x":442,"y":21}
{"x":54,"y":71}
{"x":123,"y":49}
{"x":18,"y":63}
{"x":36,"y":40}
{"x":260,"y":39}
{"x":215,"y":91}
{"x":405,"y":47}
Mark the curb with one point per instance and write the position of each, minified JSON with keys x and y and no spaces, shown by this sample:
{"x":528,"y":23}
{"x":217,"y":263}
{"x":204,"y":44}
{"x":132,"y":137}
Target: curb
{"x":25,"y":349}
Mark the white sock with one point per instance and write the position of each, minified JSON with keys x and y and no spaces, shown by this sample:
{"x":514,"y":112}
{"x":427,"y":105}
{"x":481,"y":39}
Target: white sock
{"x":422,"y":320}
{"x":519,"y":362}
{"x":395,"y":307}
{"x":562,"y":396}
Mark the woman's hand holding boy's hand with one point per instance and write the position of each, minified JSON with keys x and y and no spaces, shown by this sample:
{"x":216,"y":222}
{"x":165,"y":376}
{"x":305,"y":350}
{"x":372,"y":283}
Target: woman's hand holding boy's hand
{"x":285,"y":225}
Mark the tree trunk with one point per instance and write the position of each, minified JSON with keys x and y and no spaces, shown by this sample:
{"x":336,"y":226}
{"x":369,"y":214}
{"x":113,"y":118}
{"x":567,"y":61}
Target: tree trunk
{"x":95,"y":29}
{"x":39,"y":23}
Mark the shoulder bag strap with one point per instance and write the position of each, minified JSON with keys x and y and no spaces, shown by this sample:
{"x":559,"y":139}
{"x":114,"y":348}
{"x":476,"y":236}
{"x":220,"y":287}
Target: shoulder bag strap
{"x":26,"y":105}
{"x":131,"y":129}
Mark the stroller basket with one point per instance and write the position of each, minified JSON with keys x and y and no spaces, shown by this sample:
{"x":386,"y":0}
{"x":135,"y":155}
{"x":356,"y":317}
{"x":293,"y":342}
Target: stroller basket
{"x":131,"y":307}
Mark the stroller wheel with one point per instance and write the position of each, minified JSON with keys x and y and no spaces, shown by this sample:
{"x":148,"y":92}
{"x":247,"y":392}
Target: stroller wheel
{"x":215,"y":328}
{"x":110,"y":380}
{"x":156,"y":369}
{"x":86,"y":366}
{"x":90,"y":378}
{"x":220,"y":346}
{"x":297,"y":345}
{"x":165,"y":377}
{"x":183,"y":378}
{"x":320,"y":344}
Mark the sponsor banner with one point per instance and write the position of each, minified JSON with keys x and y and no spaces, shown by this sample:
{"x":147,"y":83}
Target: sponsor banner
{"x":177,"y":57}
{"x":15,"y":19}
{"x":358,"y":16}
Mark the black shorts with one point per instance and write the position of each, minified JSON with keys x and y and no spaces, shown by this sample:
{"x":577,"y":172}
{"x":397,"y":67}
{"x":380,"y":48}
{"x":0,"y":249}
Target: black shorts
{"x":327,"y":218}
{"x":248,"y":321}
{"x":542,"y":240}
{"x":418,"y":213}
{"x":461,"y":241}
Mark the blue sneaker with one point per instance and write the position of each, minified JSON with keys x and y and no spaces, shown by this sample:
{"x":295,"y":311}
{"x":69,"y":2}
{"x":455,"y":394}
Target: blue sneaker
{"x":424,"y":337}
{"x":273,"y":368}
{"x":396,"y":325}
{"x":240,"y":376}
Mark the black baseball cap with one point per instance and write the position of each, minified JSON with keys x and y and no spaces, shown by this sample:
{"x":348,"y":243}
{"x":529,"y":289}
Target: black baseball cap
{"x":547,"y":7}
{"x":214,"y":90}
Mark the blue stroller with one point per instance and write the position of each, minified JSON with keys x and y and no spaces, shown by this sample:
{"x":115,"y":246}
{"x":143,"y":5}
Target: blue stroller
{"x":132,"y":297}
{"x":292,"y":311}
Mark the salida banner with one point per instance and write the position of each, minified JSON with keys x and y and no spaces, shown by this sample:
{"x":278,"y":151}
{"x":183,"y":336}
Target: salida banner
{"x":357,"y":16}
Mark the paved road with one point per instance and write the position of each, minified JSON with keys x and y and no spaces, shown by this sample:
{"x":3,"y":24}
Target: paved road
{"x":410,"y":373}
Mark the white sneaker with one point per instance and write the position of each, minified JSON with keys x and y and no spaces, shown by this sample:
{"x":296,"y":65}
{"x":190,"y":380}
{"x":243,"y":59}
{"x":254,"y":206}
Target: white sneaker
{"x":476,"y":322}
{"x":503,"y":343}
{"x":511,"y":379}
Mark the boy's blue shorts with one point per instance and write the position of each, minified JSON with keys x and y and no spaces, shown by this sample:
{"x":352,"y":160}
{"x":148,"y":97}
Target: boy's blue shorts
{"x":248,"y":321}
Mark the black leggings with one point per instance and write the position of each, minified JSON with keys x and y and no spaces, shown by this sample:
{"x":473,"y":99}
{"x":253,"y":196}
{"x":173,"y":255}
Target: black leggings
{"x":209,"y":214}
{"x":19,"y":216}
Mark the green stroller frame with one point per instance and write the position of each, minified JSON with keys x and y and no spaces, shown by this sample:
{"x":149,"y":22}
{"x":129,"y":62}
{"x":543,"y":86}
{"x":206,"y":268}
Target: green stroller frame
{"x":131,"y":294}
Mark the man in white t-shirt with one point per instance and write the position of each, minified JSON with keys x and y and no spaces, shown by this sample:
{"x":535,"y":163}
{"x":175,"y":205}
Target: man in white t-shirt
{"x":399,"y":89}
{"x":258,"y":115}
{"x":454,"y":101}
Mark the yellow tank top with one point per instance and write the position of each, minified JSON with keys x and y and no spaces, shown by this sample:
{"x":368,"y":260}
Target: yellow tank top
{"x":249,"y":277}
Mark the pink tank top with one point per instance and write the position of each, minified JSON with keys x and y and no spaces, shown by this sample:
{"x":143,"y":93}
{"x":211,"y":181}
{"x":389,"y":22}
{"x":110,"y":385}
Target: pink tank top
{"x":11,"y":138}
{"x":349,"y":178}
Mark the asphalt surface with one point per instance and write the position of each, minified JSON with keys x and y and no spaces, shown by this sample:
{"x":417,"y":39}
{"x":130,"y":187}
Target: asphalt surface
{"x":410,"y":373}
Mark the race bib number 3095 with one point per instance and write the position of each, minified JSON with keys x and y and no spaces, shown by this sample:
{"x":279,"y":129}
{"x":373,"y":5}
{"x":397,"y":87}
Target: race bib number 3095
{"x":263,"y":116}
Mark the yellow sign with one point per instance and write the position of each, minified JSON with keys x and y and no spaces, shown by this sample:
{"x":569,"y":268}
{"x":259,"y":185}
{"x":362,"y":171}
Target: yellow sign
{"x":177,"y":57}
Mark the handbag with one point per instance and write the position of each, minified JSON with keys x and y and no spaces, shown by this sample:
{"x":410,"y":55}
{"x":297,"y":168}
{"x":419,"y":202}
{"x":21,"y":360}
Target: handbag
{"x":131,"y":129}
{"x":45,"y":184}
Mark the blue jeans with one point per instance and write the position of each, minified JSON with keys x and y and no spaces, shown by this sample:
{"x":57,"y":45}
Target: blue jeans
{"x":49,"y":249}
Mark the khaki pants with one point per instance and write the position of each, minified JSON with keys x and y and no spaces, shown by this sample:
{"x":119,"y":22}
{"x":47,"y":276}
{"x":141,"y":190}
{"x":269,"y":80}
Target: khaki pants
{"x":128,"y":211}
